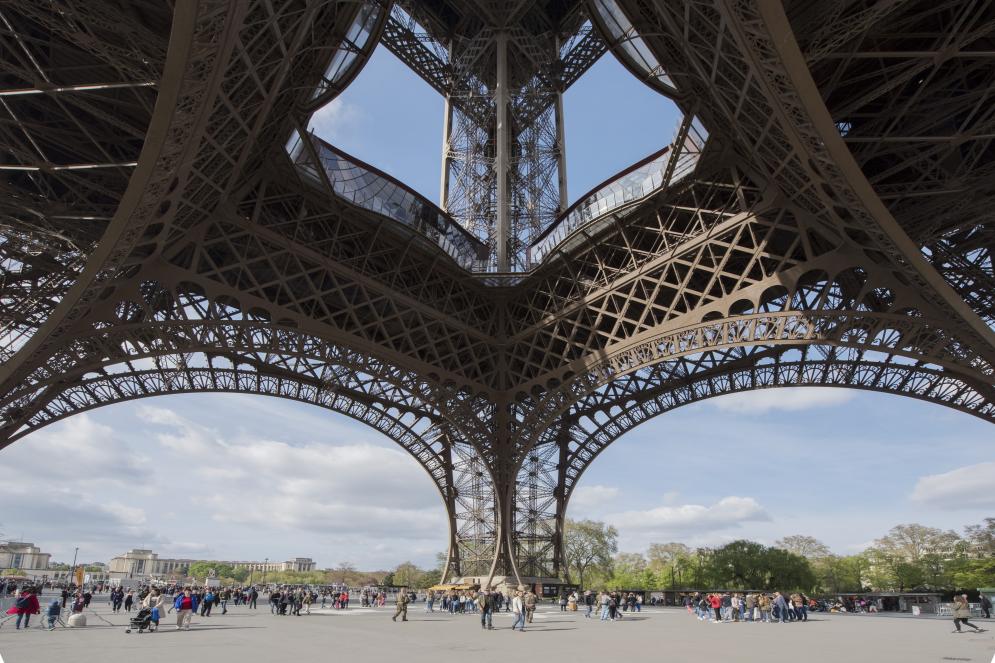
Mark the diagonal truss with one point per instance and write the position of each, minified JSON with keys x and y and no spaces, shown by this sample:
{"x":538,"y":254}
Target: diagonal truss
{"x":822,"y":217}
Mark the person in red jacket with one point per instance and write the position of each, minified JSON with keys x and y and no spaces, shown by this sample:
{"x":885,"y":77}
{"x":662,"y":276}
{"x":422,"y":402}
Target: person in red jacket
{"x":716,"y":602}
{"x":24,"y":606}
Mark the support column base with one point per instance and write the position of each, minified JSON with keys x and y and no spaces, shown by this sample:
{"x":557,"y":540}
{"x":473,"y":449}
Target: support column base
{"x":506,"y":584}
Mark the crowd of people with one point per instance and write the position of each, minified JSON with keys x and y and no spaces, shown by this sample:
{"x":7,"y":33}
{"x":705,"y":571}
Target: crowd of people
{"x":756,"y":607}
{"x":156,"y":602}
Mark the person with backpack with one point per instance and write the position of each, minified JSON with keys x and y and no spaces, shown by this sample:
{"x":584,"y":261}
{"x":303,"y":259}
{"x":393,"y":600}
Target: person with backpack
{"x":402,"y":605}
{"x":207,"y":603}
{"x":25,"y":605}
{"x":530,"y":601}
{"x":986,"y":606}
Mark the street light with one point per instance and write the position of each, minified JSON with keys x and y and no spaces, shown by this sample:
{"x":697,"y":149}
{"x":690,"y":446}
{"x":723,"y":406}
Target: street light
{"x":265,"y":564}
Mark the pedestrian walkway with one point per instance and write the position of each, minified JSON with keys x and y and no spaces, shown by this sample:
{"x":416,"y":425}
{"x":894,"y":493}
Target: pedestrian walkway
{"x":245,"y":634}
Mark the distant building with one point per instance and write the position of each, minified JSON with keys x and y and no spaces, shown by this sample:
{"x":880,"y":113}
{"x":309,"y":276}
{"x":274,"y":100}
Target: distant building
{"x":26,"y":557}
{"x":295,"y":564}
{"x":142,"y":563}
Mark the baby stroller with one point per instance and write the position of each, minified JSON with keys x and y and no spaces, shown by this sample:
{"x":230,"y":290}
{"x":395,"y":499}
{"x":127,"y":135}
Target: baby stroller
{"x":141,"y":621}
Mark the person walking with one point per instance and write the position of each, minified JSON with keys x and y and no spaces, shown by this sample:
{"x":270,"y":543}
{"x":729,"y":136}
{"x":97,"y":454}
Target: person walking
{"x":780,"y":608}
{"x":962,"y":612}
{"x":185,"y":605}
{"x":530,"y":600}
{"x":518,"y":611}
{"x":207,"y":603}
{"x":588,"y":603}
{"x":986,"y":607}
{"x":129,"y":600}
{"x":485,"y":602}
{"x":156,"y":602}
{"x":402,"y":605}
{"x":25,"y":605}
{"x":253,"y":595}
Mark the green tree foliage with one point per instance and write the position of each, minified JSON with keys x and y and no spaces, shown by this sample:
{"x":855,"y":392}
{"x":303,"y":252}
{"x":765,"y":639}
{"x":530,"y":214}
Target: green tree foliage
{"x":974,"y":573}
{"x":588,"y":545}
{"x":808,"y":547}
{"x":838,"y":574}
{"x":199,"y":571}
{"x":750,"y":565}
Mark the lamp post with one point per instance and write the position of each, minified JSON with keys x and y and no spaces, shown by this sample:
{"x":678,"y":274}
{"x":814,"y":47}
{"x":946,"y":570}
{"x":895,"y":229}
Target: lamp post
{"x":72,"y":570}
{"x":265,"y":564}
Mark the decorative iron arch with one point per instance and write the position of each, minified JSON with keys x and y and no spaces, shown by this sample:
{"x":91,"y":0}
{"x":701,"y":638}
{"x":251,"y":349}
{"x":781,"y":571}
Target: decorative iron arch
{"x":454,"y":466}
{"x":602,"y":418}
{"x":566,"y":447}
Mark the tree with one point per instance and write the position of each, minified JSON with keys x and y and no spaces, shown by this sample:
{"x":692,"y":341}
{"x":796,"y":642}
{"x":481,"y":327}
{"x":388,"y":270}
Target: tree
{"x":808,"y":547}
{"x":588,"y":544}
{"x":630,"y":571}
{"x":750,"y":565}
{"x":840,"y":574}
{"x":974,"y":573}
{"x":661,"y":555}
{"x":671,"y":563}
{"x":911,"y":542}
{"x":342,"y":572}
{"x":408,"y":575}
{"x":202,"y":569}
{"x":981,"y":538}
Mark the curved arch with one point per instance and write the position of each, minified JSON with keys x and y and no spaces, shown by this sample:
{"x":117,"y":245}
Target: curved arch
{"x":455,"y":467}
{"x":602,"y":418}
{"x":869,"y":335}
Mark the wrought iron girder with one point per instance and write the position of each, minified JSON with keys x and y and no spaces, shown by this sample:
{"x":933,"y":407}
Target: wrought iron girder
{"x":778,"y":262}
{"x":910,"y":87}
{"x":769,"y":108}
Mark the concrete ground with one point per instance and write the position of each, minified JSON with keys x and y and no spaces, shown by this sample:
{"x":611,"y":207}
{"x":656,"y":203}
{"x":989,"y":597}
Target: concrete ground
{"x":367,"y":634}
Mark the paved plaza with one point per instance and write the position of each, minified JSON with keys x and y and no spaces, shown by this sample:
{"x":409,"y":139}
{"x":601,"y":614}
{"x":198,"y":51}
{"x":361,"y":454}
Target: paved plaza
{"x":369,"y":635}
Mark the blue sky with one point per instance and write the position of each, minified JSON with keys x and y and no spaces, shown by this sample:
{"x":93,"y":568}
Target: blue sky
{"x":224,"y":476}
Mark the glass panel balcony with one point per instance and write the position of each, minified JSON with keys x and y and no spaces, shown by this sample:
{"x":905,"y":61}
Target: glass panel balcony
{"x":631,"y":186}
{"x":364,"y":186}
{"x":634,"y":51}
{"x":357,"y":42}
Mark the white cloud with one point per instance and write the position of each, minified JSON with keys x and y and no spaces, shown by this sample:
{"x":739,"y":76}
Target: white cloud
{"x":345,"y":489}
{"x":80,"y":447}
{"x":588,"y":498}
{"x":691,"y":519}
{"x":966,"y":487}
{"x":334,"y":119}
{"x":791,"y":399}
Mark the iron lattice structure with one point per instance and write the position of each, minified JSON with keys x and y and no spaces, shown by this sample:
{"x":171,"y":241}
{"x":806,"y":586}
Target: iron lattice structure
{"x":822,"y":217}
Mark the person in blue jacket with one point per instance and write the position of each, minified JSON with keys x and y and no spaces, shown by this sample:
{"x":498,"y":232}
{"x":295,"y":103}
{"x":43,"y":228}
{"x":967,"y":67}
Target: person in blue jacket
{"x":185,"y":605}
